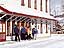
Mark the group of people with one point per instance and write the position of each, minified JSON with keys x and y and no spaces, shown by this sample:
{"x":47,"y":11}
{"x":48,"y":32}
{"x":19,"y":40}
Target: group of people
{"x":24,"y":33}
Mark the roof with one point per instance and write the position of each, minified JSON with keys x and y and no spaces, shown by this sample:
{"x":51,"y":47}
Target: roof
{"x":8,"y":11}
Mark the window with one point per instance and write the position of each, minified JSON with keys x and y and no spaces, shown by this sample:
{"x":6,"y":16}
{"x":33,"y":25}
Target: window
{"x":22,"y":2}
{"x":38,"y":26}
{"x":41,"y":5}
{"x":29,"y":3}
{"x":46,"y":6}
{"x":35,"y":4}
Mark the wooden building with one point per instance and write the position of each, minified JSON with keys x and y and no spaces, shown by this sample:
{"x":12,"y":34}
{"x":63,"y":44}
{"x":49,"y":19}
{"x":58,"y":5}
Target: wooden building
{"x":23,"y":12}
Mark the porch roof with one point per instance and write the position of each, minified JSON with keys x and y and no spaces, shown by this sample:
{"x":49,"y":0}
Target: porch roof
{"x":21,"y":14}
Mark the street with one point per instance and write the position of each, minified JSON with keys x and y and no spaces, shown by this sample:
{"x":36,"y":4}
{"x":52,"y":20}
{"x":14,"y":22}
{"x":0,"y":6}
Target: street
{"x":50,"y":42}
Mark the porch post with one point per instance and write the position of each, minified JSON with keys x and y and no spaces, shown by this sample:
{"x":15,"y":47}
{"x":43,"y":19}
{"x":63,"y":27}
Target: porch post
{"x":6,"y":27}
{"x":11,"y":29}
{"x":10,"y":26}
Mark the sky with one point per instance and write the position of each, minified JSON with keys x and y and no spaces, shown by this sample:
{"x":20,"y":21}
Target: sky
{"x":55,"y":5}
{"x":55,"y":2}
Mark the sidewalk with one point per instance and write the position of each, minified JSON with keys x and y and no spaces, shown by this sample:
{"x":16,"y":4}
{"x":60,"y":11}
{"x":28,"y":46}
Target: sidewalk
{"x":9,"y":42}
{"x":13,"y":44}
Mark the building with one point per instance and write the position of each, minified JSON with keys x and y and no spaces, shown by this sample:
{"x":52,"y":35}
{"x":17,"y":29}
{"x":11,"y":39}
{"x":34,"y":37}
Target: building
{"x":26,"y":12}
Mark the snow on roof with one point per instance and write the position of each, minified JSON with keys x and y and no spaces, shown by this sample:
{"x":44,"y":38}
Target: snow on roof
{"x":48,"y":16}
{"x":28,"y":11}
{"x":14,"y":6}
{"x":1,"y":11}
{"x":58,"y":19}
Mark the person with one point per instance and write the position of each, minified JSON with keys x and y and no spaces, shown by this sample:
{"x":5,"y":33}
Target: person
{"x":34,"y":33}
{"x":16,"y":31}
{"x":28,"y":33}
{"x":23,"y":32}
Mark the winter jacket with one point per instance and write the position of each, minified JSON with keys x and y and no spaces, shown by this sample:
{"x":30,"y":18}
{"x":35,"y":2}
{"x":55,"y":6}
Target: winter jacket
{"x":16,"y":30}
{"x":23,"y":30}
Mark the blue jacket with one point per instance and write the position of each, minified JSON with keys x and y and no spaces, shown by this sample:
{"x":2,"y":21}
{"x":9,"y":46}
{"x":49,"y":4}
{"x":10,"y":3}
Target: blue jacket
{"x":23,"y":30}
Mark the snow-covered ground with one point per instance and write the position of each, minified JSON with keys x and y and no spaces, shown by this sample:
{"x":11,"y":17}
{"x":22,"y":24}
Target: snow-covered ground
{"x":55,"y":41}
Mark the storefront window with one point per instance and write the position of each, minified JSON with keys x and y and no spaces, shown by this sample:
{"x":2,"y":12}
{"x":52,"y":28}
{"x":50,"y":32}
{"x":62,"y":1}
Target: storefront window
{"x":3,"y":27}
{"x":0,"y":27}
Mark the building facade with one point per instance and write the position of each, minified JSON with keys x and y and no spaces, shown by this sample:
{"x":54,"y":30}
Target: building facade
{"x":27,"y":13}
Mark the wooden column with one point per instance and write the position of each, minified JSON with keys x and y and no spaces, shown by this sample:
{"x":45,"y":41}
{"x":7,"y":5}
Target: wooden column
{"x":46,"y":27}
{"x":6,"y":27}
{"x":10,"y":26}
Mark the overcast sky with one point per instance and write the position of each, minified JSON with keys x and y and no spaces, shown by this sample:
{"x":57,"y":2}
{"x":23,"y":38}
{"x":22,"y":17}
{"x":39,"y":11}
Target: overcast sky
{"x":55,"y":5}
{"x":55,"y":2}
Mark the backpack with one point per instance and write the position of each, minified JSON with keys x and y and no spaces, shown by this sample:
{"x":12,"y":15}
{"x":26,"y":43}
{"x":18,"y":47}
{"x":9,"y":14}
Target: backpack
{"x":35,"y":31}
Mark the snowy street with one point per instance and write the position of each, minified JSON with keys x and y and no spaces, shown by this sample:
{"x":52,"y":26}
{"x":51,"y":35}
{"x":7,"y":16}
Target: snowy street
{"x":55,"y":41}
